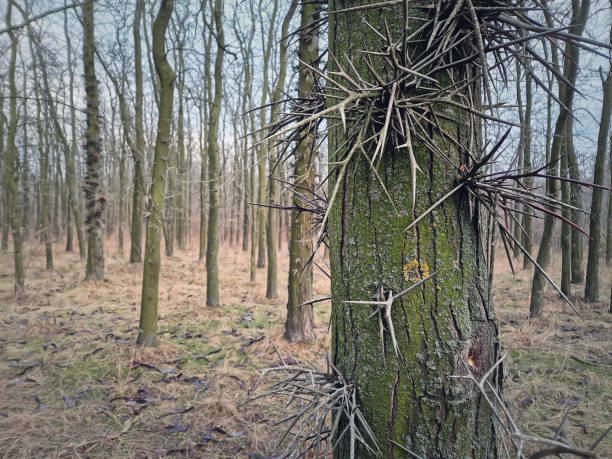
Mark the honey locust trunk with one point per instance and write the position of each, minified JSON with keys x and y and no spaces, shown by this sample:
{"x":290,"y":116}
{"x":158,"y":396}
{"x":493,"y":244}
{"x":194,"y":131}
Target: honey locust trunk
{"x":412,"y":400}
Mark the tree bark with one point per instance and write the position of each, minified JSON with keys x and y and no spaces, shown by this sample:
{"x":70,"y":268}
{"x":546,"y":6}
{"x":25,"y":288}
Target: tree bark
{"x":591,"y":288}
{"x":412,"y":400}
{"x":147,"y":334}
{"x":299,"y":323}
{"x":580,"y":14}
{"x":70,"y":152}
{"x":212,"y":250}
{"x":272,"y":223}
{"x":43,"y":151}
{"x":94,"y":199}
{"x":138,"y":151}
{"x":11,"y":167}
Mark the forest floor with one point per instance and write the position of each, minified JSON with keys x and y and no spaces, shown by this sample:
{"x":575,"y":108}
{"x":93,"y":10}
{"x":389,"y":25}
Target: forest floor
{"x":74,"y":385}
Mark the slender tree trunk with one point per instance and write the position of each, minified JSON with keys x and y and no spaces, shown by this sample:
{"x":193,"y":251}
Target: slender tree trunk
{"x":96,"y":202}
{"x":212,"y":249}
{"x":580,"y":14}
{"x":147,"y":334}
{"x":272,"y":224}
{"x":13,"y":209}
{"x":203,"y":184}
{"x":299,"y":324}
{"x":576,"y":201}
{"x":527,"y":219}
{"x":591,"y":288}
{"x":70,"y":152}
{"x":609,"y":226}
{"x":410,"y":398}
{"x":138,"y":151}
{"x":4,"y":218}
{"x":566,"y":234}
{"x":43,"y":151}
{"x":181,"y":172}
{"x":121,"y":219}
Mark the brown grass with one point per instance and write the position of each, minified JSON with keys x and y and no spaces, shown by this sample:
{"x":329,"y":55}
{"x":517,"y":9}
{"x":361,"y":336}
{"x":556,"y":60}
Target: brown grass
{"x":74,"y":384}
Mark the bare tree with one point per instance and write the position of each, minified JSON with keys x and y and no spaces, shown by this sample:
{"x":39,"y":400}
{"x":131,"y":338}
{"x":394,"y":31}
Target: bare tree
{"x":147,"y":334}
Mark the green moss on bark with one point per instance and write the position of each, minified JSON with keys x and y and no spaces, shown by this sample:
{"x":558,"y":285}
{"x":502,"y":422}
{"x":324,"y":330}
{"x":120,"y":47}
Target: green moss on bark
{"x":411,"y":400}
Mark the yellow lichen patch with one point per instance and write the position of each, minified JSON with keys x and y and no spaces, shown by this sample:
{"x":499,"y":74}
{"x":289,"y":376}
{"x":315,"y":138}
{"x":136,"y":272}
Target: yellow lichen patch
{"x":415,"y":271}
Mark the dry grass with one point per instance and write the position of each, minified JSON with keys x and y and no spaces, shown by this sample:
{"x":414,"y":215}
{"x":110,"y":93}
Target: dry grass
{"x":74,"y":384}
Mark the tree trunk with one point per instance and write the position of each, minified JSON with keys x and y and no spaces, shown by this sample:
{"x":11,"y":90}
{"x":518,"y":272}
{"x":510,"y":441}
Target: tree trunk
{"x":566,"y":234}
{"x":138,"y":151}
{"x":212,"y":249}
{"x":147,"y":334}
{"x":272,"y":225}
{"x":527,"y":219}
{"x":609,"y":226}
{"x":121,"y":198}
{"x":591,"y":288}
{"x":43,"y":151}
{"x":566,"y":96}
{"x":94,"y":199}
{"x":410,"y":400}
{"x":299,"y":324}
{"x":70,"y":152}
{"x":4,"y":217}
{"x":11,"y":167}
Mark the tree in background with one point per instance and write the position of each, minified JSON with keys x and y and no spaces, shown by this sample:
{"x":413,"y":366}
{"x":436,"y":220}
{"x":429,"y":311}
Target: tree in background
{"x":212,"y":247}
{"x":11,"y":162}
{"x":147,"y":333}
{"x":580,"y":12}
{"x":591,"y":288}
{"x":299,"y":324}
{"x":95,"y":201}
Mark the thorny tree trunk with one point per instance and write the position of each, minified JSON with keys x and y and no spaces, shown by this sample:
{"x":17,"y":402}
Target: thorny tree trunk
{"x":591,"y":288}
{"x":95,"y":201}
{"x":212,"y":250}
{"x":138,"y":151}
{"x":147,"y":334}
{"x":11,"y":166}
{"x":566,"y":96}
{"x":299,"y":323}
{"x":414,"y":403}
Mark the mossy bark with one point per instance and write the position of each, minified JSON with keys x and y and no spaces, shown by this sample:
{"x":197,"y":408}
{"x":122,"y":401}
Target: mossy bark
{"x":413,"y":400}
{"x":147,"y":334}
